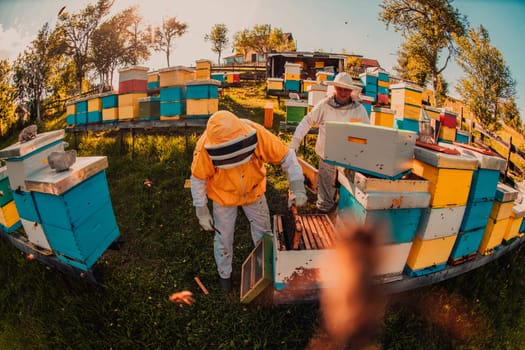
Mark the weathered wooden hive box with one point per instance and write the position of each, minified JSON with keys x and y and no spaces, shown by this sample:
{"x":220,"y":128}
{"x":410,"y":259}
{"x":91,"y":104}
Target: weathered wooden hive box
{"x":23,"y":159}
{"x":9,"y":218}
{"x":149,"y":108}
{"x":370,"y":149}
{"x":499,"y":219}
{"x":301,"y":268}
{"x":393,"y":205}
{"x":75,"y":210}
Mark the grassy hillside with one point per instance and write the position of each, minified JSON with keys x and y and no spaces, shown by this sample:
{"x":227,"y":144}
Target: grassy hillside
{"x":163,"y":250}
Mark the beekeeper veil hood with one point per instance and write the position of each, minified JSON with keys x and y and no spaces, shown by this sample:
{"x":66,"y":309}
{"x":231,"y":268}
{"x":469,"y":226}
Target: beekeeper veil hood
{"x":230,"y":141}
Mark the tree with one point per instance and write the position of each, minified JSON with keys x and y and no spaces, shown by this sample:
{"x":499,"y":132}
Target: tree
{"x":511,"y":114}
{"x":488,"y":82}
{"x":7,"y":98}
{"x":219,"y":39}
{"x":77,"y":30}
{"x":33,"y":70}
{"x":118,"y":41}
{"x":428,"y":27}
{"x":262,"y":39}
{"x":164,"y":36}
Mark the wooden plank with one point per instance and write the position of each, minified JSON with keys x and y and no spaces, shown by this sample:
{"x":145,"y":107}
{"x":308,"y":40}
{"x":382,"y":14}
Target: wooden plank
{"x":309,"y":232}
{"x":306,"y":235}
{"x":323,"y":234}
{"x":311,"y":174}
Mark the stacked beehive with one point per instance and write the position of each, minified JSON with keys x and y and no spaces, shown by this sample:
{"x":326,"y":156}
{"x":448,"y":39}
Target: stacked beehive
{"x":450,"y":175}
{"x":202,"y":70}
{"x":132,"y":86}
{"x":383,"y":88}
{"x":68,"y":213}
{"x":202,"y":98}
{"x":367,"y":102}
{"x":499,"y":219}
{"x":394,"y":206}
{"x":292,"y":77}
{"x":274,"y":84}
{"x":23,"y":160}
{"x":173,"y":91}
{"x":479,"y":204}
{"x":447,"y":129}
{"x":219,"y":76}
{"x":323,"y":75}
{"x":94,"y":112}
{"x":406,"y":101}
{"x":109,"y":107}
{"x":9,"y":218}
{"x":513,"y":229}
{"x":369,"y":82}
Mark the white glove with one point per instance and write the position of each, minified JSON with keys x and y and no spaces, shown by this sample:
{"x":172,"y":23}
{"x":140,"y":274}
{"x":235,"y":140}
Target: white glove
{"x":295,"y":144}
{"x":205,"y":220}
{"x":298,"y":194}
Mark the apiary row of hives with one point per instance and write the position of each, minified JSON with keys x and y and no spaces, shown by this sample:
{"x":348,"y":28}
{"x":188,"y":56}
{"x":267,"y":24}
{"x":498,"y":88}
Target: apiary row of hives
{"x":169,"y":93}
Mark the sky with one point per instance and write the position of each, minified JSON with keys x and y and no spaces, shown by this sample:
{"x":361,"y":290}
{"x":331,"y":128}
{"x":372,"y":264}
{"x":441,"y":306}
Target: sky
{"x":330,"y":26}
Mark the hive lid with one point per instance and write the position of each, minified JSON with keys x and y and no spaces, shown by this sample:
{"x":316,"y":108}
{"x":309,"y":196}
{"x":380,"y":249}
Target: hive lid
{"x":445,"y":160}
{"x":486,"y":161}
{"x":21,"y":149}
{"x":56,"y":183}
{"x":202,"y":82}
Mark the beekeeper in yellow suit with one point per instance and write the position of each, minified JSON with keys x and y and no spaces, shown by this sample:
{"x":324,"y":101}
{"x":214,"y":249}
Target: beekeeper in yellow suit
{"x":229,"y":168}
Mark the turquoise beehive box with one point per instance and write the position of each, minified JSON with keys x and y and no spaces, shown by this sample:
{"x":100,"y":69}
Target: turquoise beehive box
{"x":75,"y":210}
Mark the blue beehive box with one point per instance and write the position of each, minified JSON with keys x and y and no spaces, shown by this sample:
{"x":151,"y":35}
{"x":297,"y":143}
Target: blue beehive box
{"x":94,"y":117}
{"x":467,"y":243}
{"x":219,"y":77}
{"x":110,"y":100}
{"x":172,"y":108}
{"x":172,"y":93}
{"x":26,"y":206}
{"x":398,"y":204}
{"x":476,"y":215}
{"x":75,"y":209}
{"x":202,"y":89}
{"x":71,"y":119}
{"x":292,"y":85}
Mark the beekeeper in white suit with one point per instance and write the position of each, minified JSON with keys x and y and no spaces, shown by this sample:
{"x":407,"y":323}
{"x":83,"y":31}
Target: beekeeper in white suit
{"x":229,"y":168}
{"x":344,"y":106}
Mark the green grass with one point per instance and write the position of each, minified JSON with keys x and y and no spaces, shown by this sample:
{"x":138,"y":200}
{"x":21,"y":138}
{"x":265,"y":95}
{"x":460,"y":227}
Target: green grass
{"x":163,"y":250}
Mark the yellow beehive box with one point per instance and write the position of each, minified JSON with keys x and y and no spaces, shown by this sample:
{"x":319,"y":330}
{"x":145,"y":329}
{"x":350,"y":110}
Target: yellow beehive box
{"x":308,"y":83}
{"x":202,"y":74}
{"x":71,"y":108}
{"x":130,"y":99}
{"x":94,"y":104}
{"x":203,"y":64}
{"x":428,"y":253}
{"x":447,"y":134}
{"x":128,"y":112}
{"x":9,"y":214}
{"x":152,"y":77}
{"x":324,"y":76}
{"x":319,"y":64}
{"x":274,"y":84}
{"x":501,"y":210}
{"x":383,"y":83}
{"x":382,"y":116}
{"x":403,"y":93}
{"x":109,"y":114}
{"x":292,"y":76}
{"x":174,"y":76}
{"x":493,"y":235}
{"x":407,"y":111}
{"x":202,"y":106}
{"x":513,"y":228}
{"x":448,"y":187}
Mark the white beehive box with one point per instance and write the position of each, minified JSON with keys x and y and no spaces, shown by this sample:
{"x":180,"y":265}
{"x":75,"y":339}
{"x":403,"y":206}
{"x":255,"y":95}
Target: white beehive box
{"x":26,"y":158}
{"x":35,"y":233}
{"x":440,"y":222}
{"x":371,"y":149}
